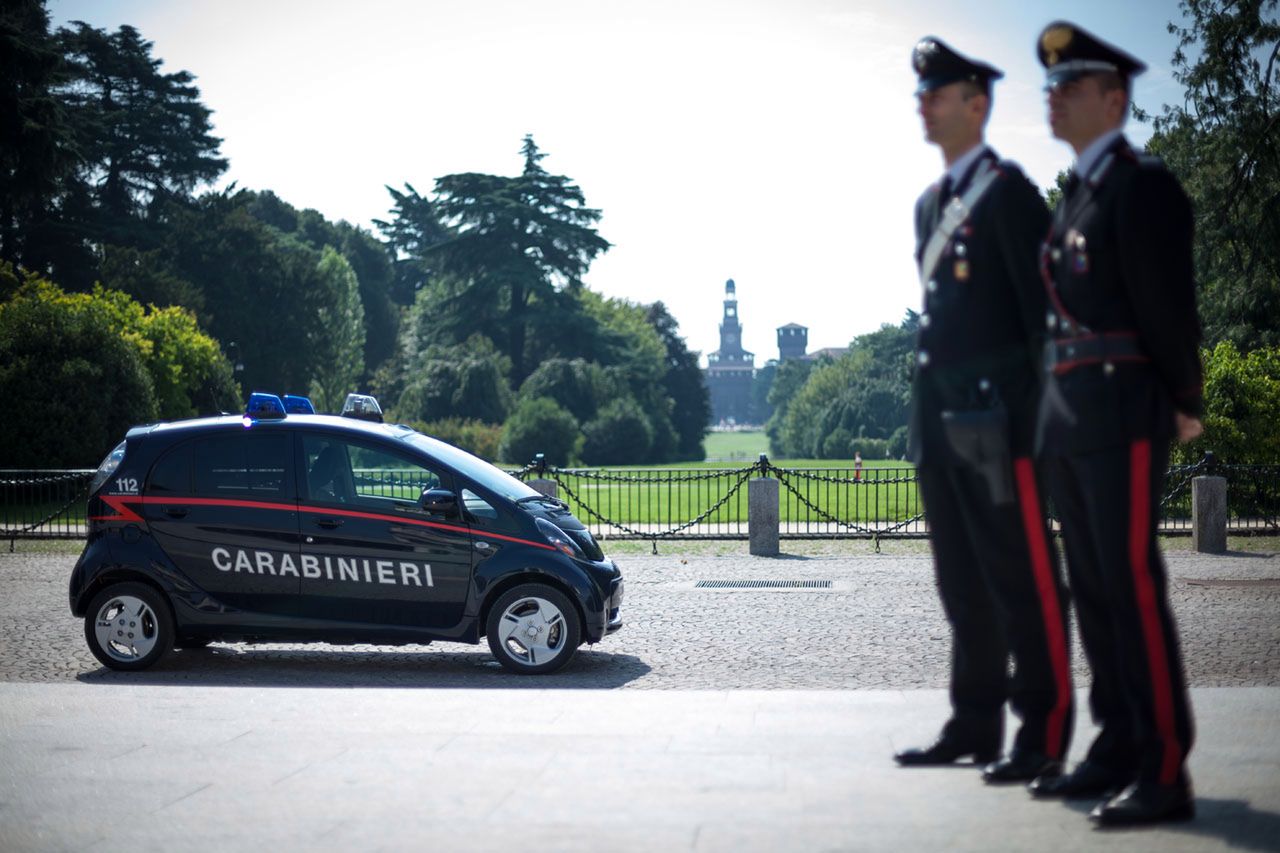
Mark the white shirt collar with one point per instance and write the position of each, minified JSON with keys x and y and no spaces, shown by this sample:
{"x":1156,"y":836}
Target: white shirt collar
{"x":957,"y":169}
{"x":1089,"y":156}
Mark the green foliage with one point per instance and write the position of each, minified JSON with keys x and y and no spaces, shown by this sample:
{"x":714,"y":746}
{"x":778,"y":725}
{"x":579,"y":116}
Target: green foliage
{"x":897,"y":445}
{"x":337,"y":341}
{"x":618,"y":435}
{"x":1221,"y":141}
{"x":865,"y":394}
{"x":465,"y":381}
{"x":35,"y":141}
{"x":475,"y":437}
{"x":74,"y":383}
{"x":787,"y":382}
{"x":1242,"y":407}
{"x":685,"y":386}
{"x":870,"y":448}
{"x":513,"y":243}
{"x":536,"y":426}
{"x":578,"y":386}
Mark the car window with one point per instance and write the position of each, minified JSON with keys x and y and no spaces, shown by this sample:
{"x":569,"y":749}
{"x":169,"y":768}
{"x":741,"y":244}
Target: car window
{"x":171,"y":475}
{"x":346,"y":472}
{"x":243,"y":465}
{"x":478,"y":506}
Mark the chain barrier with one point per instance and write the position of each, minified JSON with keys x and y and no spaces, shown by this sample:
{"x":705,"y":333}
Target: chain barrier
{"x":875,"y":533}
{"x":654,"y":536}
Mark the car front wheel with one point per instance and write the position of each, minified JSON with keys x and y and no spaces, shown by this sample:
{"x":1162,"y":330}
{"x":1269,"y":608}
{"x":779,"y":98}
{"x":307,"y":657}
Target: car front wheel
{"x":533,"y":629}
{"x":129,"y":626}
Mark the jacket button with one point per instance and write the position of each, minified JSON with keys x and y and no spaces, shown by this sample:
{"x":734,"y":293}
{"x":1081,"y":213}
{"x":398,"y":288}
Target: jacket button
{"x":922,"y":358}
{"x":1108,"y":368}
{"x":1056,"y":254}
{"x":1050,"y":321}
{"x":932,"y":286}
{"x":925,"y":320}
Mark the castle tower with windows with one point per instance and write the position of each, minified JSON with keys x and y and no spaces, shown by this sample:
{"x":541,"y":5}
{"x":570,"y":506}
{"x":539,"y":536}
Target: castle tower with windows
{"x":730,"y":368}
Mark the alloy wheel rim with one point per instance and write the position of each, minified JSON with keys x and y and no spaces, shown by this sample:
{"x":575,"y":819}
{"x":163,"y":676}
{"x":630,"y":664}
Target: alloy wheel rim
{"x":532,"y":631}
{"x":126,"y":628}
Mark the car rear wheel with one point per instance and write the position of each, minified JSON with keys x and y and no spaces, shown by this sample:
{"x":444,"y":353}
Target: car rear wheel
{"x":533,"y":629}
{"x":129,"y":626}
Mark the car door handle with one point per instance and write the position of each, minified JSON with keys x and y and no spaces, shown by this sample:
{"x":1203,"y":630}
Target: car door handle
{"x":176,"y":511}
{"x":329,"y":523}
{"x":482,"y":546}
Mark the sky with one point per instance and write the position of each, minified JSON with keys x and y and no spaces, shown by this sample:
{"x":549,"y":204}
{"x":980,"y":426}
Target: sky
{"x":774,"y":142}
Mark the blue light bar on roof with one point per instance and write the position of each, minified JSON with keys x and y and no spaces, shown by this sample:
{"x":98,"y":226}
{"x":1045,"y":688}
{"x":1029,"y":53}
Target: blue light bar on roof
{"x":296,"y":405}
{"x":264,"y":407}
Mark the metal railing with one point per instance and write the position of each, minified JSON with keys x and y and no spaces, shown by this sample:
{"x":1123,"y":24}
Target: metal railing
{"x":691,"y":503}
{"x":43,"y":504}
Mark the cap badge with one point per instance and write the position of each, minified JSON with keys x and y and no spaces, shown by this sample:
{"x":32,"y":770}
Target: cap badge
{"x":1054,"y":41}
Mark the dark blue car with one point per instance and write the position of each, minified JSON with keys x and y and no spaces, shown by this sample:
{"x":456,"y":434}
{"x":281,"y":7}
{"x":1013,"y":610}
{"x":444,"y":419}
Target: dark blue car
{"x":283,"y":527}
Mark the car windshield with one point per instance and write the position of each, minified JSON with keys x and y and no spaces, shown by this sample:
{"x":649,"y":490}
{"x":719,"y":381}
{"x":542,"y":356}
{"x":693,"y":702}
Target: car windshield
{"x":492,"y":478}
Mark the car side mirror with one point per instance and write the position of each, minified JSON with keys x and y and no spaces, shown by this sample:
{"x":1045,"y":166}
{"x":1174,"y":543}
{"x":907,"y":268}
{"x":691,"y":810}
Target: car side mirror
{"x":438,"y":502}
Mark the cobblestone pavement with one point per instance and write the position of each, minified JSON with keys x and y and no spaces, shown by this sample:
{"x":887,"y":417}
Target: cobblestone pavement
{"x":879,"y":626}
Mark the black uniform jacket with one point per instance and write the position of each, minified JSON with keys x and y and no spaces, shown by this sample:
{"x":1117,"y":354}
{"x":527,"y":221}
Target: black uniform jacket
{"x":984,"y":312}
{"x":1118,"y":260}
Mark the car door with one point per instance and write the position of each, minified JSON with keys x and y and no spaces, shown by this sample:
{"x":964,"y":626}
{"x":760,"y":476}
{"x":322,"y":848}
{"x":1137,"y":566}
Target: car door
{"x":369,"y":553}
{"x":224,"y":509}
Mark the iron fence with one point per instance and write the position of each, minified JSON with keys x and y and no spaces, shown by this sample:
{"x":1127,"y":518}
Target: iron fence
{"x":691,"y":503}
{"x":43,"y":504}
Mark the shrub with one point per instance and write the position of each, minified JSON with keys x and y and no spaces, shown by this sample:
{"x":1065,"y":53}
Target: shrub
{"x":538,"y":425}
{"x":870,"y":448}
{"x":897,"y":448}
{"x":619,"y":435}
{"x":473,"y":436}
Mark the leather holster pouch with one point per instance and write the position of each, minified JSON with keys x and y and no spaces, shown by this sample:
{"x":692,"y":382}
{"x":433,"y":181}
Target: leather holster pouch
{"x":980,"y":439}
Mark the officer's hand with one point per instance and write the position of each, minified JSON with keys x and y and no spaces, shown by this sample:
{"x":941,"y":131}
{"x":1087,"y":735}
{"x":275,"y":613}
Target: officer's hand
{"x":1189,"y":428}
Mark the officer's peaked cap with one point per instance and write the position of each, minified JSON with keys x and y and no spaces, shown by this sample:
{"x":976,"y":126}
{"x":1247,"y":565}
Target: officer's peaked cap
{"x":1067,"y":52}
{"x":936,"y":64}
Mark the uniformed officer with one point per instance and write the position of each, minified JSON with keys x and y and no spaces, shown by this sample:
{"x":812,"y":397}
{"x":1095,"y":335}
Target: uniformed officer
{"x":1125,"y":378}
{"x":978,"y":232}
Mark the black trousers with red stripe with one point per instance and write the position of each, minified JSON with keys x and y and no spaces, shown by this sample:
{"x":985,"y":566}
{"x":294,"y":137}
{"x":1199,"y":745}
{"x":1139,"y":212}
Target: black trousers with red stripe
{"x":1108,"y":501}
{"x":1001,"y":591}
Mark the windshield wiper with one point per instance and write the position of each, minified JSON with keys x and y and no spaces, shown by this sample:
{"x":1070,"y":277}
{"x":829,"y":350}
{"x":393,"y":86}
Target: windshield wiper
{"x":544,"y":499}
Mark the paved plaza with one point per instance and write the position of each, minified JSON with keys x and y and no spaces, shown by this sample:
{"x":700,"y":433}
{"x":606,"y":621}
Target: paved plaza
{"x":717,"y":719}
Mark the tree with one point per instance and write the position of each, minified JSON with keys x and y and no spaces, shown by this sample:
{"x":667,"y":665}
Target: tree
{"x":412,"y":231}
{"x":80,"y":383}
{"x":536,"y":426}
{"x":512,"y":241}
{"x":1242,"y":407}
{"x":35,"y":142}
{"x":618,"y":435}
{"x":787,"y":382}
{"x":684,"y":384}
{"x":1223,"y":142}
{"x":337,"y":340}
{"x":577,"y":385}
{"x":141,"y":133}
{"x":466,"y":381}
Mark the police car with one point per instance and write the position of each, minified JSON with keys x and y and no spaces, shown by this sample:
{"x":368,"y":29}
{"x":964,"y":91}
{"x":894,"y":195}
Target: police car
{"x":288,"y":526}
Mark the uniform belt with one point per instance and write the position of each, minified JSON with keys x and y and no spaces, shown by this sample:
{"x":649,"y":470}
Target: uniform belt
{"x":1066,"y":354}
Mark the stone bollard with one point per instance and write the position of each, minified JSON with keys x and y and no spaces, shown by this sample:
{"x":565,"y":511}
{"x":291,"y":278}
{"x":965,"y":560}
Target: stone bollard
{"x":545,"y":487}
{"x":1209,"y":514}
{"x":762,"y":517}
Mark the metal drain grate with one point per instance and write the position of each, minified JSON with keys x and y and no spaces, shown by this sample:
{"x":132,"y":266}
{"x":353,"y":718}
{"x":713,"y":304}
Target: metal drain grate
{"x":766,"y":584}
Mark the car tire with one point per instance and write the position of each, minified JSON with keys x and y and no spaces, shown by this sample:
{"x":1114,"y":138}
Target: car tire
{"x":533,"y":629}
{"x":129,"y":626}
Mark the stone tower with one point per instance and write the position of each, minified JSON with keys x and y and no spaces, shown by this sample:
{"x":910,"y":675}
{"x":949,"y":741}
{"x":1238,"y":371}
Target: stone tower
{"x":730,"y":368}
{"x":793,"y":341}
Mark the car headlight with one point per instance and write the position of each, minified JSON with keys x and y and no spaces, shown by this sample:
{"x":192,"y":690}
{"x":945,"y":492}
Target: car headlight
{"x":560,"y":540}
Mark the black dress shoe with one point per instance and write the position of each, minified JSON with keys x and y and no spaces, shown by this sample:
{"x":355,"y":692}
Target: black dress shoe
{"x":1089,"y":780}
{"x":1147,"y":802}
{"x":946,"y":750}
{"x":1021,"y":766}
